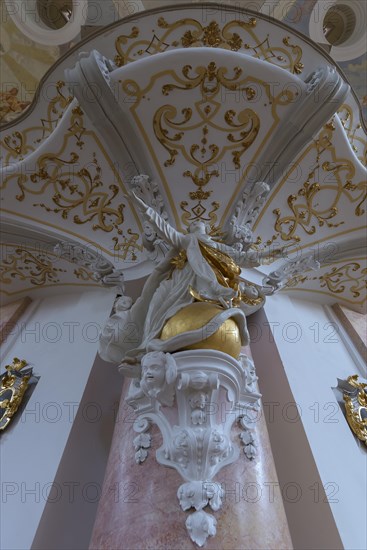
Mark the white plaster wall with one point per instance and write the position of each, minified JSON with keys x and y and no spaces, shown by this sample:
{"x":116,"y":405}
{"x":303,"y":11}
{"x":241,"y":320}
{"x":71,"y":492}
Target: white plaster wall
{"x":59,"y":338}
{"x":314,"y":356}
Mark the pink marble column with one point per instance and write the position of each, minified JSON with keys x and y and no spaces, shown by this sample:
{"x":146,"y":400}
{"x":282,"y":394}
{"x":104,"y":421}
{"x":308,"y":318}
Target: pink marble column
{"x":139,"y":508}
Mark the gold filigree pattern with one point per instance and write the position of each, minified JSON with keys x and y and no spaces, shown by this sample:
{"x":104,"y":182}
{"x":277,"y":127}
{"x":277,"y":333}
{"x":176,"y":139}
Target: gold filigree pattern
{"x":19,"y":144}
{"x":24,"y":265}
{"x":241,"y":130}
{"x":342,"y":281}
{"x":25,"y":268}
{"x":191,"y":134}
{"x":126,"y":249}
{"x":354,"y":132}
{"x":73,"y":188}
{"x":308,"y":208}
{"x":236,"y":35}
{"x":349,"y":275}
{"x":84,"y":274}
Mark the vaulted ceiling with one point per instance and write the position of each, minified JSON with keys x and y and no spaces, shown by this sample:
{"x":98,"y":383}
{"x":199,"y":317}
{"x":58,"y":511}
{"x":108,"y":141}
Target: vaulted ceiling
{"x":206,"y":107}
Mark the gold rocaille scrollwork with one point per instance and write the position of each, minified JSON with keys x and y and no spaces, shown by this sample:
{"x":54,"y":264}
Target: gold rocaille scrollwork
{"x":240,"y":129}
{"x":189,"y":132}
{"x":354,"y":131}
{"x":13,"y":385}
{"x":337,"y":279}
{"x":74,"y":187}
{"x":20,"y":143}
{"x":236,"y":35}
{"x":25,"y":265}
{"x":307,"y":210}
{"x":354,"y":406}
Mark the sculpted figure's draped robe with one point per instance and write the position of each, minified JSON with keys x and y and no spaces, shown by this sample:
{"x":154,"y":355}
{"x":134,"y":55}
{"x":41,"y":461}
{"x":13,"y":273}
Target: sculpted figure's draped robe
{"x":167,"y":289}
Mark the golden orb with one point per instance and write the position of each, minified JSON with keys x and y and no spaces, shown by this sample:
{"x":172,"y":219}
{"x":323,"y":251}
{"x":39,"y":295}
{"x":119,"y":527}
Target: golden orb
{"x":195,"y":316}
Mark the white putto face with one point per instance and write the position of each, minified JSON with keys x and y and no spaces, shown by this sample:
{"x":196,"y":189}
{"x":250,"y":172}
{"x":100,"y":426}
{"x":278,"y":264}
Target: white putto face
{"x":153,"y":374}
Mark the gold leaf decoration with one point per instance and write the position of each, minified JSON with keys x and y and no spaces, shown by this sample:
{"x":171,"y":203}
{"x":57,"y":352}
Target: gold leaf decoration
{"x":18,"y":144}
{"x":307,"y":205}
{"x":344,"y":281}
{"x":73,"y":188}
{"x":241,"y":128}
{"x":34,"y":267}
{"x":350,"y":276}
{"x":354,"y":131}
{"x":126,"y":249}
{"x":236,"y":35}
{"x":84,"y":274}
{"x":356,"y":407}
{"x":13,"y":385}
{"x":191,"y":133}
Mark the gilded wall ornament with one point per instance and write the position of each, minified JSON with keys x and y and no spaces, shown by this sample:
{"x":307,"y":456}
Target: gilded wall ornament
{"x":35,"y":267}
{"x":18,"y":144}
{"x":350,"y":275}
{"x":30,"y":267}
{"x":125,"y":248}
{"x":73,"y":188}
{"x":204,"y":134}
{"x":241,"y":129}
{"x":354,"y":131}
{"x":13,"y":385}
{"x":308,"y":209}
{"x":343,"y":281}
{"x":236,"y":35}
{"x":355,"y":399}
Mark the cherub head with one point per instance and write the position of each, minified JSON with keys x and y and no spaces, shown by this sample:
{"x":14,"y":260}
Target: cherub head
{"x":159,"y":371}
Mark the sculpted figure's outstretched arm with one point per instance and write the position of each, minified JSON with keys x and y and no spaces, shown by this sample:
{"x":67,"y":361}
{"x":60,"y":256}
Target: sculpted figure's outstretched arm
{"x":165,"y":230}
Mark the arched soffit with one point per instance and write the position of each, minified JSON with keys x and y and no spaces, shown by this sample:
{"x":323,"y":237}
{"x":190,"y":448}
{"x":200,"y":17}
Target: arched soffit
{"x":64,"y":177}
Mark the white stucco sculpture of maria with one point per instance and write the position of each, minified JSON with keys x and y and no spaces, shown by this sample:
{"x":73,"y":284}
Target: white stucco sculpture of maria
{"x":187,"y":273}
